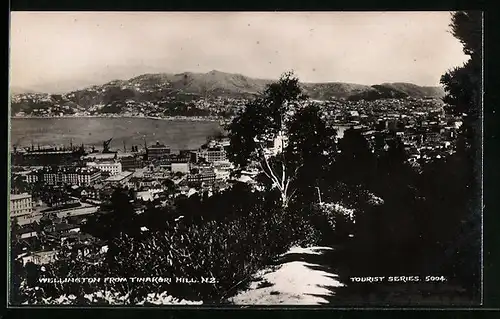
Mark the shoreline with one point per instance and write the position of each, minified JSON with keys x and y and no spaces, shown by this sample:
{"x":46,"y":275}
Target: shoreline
{"x":169,"y":118}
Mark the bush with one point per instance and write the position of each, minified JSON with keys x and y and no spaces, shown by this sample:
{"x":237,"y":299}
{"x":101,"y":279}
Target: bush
{"x":337,"y":222}
{"x":228,"y":248}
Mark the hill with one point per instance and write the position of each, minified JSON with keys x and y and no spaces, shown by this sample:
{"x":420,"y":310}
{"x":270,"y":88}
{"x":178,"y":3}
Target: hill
{"x":213,"y":83}
{"x":163,"y":88}
{"x":398,"y":90}
{"x":335,"y":90}
{"x":415,"y":90}
{"x":16,"y":90}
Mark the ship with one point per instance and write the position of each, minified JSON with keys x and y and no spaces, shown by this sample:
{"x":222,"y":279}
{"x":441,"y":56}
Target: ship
{"x":47,"y":156}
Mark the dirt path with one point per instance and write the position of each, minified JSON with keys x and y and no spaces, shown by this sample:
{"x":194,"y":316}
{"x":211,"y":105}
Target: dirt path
{"x":299,"y":278}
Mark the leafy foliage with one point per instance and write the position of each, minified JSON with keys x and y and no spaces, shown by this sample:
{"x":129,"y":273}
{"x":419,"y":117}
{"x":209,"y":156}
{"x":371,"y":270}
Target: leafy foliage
{"x":463,"y":88}
{"x":300,"y":139}
{"x":428,"y":221}
{"x":231,"y":246}
{"x":463,"y":84}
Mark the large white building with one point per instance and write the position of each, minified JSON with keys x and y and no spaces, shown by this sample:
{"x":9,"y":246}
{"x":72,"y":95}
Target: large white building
{"x":65,"y":175}
{"x":21,"y":205}
{"x":113,"y":168}
{"x":213,"y":154}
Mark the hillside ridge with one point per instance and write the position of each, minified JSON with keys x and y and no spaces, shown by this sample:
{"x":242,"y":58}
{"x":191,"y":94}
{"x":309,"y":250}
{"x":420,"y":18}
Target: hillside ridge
{"x":160,"y":88}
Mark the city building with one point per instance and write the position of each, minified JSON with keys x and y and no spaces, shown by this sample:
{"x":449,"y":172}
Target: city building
{"x":46,"y":156}
{"x":225,"y":142}
{"x":202,"y":177}
{"x":107,"y":157}
{"x":83,"y":209}
{"x":176,"y":163}
{"x":40,"y":257}
{"x":89,"y":193}
{"x":149,"y":195}
{"x":223,"y":165}
{"x":25,"y":231}
{"x":65,"y":175}
{"x":186,"y":153}
{"x":177,"y":167}
{"x":157,"y":151}
{"x":131,"y":163}
{"x":113,"y":168}
{"x":21,"y":205}
{"x":212,"y":154}
{"x":222,"y":175}
{"x":120,"y":178}
{"x":32,"y":177}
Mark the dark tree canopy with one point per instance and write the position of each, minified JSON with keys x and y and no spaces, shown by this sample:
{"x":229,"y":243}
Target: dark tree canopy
{"x":460,"y":212}
{"x":310,"y":139}
{"x":463,"y":84}
{"x":466,"y":26}
{"x":284,"y":134}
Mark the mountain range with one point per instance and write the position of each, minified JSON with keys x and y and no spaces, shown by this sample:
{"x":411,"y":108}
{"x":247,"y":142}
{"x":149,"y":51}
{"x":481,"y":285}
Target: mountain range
{"x":154,"y":87}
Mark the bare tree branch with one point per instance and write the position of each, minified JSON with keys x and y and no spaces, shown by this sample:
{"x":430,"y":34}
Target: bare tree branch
{"x":277,"y":181}
{"x":292,"y":194}
{"x":269,"y":176}
{"x":287,"y":184}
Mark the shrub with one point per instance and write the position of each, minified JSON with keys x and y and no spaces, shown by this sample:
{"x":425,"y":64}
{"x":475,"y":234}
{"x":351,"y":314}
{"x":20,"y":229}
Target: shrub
{"x":229,"y":248}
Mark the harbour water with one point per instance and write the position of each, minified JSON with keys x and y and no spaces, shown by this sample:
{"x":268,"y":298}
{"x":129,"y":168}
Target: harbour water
{"x":177,"y":134}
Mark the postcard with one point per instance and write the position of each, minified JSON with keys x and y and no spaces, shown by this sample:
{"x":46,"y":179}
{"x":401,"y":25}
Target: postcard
{"x":245,"y":159}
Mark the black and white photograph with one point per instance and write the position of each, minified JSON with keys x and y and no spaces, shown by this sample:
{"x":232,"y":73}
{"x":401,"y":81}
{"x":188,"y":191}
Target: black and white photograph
{"x":245,"y":159}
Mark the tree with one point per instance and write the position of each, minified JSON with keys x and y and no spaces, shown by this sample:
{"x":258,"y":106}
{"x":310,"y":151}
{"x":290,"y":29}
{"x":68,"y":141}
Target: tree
{"x":19,"y":184}
{"x":14,"y":225}
{"x":312,"y":148}
{"x":463,"y":84}
{"x":355,"y":163}
{"x":270,"y":122}
{"x":121,"y":218}
{"x":32,"y":274}
{"x":463,"y":97}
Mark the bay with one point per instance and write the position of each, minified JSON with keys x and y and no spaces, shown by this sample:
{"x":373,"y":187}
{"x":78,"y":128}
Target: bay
{"x":177,"y":134}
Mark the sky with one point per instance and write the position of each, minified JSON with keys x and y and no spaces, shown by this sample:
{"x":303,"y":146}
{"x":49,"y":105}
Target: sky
{"x":66,"y":50}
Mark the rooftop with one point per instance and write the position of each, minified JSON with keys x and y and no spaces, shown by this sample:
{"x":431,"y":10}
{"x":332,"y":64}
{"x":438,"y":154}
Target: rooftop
{"x":180,"y":161}
{"x":107,"y":156}
{"x":69,"y":169}
{"x":61,"y":227}
{"x":103,"y":163}
{"x":28,"y":228}
{"x":119,"y":177}
{"x":158,"y":145}
{"x":49,"y":152}
{"x":19,"y":196}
